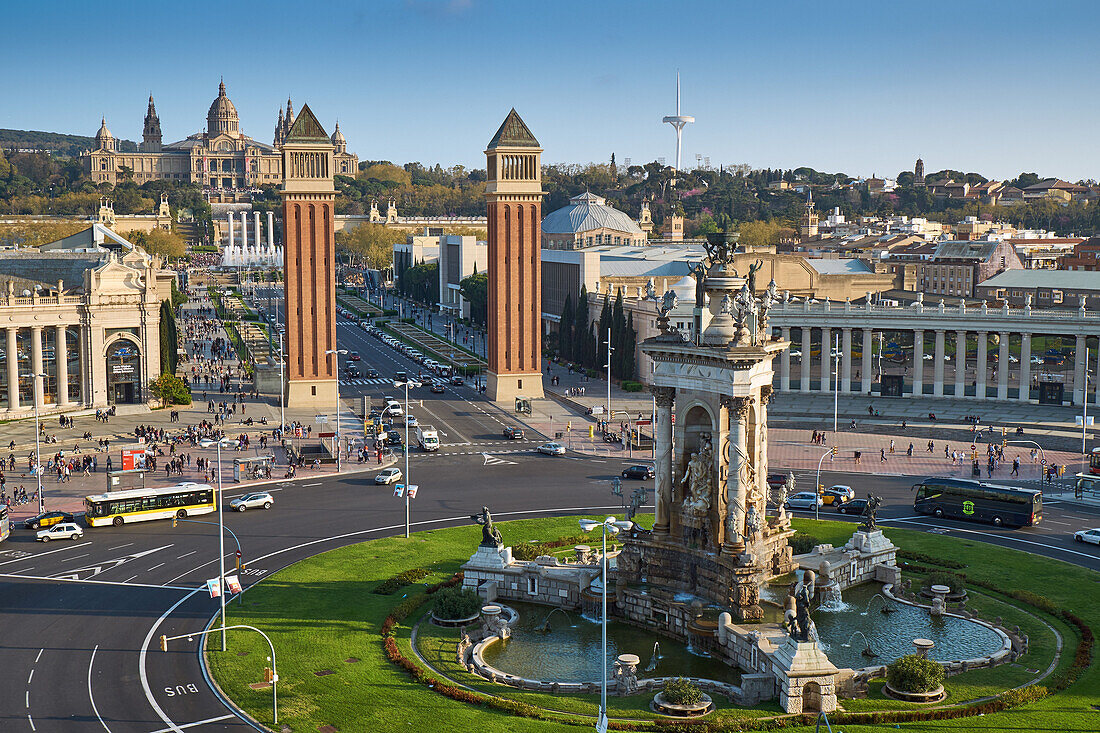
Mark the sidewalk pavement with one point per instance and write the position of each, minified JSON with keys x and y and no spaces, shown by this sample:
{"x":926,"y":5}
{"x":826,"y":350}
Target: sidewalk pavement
{"x":120,"y":431}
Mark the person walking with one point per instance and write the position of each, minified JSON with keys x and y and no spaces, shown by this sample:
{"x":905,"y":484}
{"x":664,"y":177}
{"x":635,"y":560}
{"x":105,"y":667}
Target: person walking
{"x":882,"y":455}
{"x":1016,"y":466}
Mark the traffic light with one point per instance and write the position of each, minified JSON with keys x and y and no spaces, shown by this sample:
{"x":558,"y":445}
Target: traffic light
{"x":175,"y":522}
{"x":163,"y":643}
{"x":835,"y":451}
{"x":269,"y":675}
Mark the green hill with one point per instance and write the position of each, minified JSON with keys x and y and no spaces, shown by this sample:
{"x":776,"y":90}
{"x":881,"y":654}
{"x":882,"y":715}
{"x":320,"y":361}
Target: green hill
{"x":55,"y":142}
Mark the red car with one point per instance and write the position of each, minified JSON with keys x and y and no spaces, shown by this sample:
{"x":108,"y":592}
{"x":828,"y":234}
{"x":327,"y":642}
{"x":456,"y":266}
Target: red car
{"x":353,"y":355}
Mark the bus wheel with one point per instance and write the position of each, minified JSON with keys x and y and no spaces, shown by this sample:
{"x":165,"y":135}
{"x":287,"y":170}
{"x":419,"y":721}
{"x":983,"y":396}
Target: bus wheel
{"x":117,"y":521}
{"x":997,"y":522}
{"x":938,"y":512}
{"x":181,"y":514}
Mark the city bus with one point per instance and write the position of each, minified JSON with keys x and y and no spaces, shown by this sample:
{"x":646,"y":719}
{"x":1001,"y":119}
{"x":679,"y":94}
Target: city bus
{"x":1094,"y":461}
{"x":139,"y":505}
{"x":5,"y":525}
{"x":979,"y":502}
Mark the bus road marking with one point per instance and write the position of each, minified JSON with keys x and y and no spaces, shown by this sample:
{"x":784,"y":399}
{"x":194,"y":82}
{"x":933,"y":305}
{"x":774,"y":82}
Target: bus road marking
{"x":48,"y":552}
{"x":94,"y":570}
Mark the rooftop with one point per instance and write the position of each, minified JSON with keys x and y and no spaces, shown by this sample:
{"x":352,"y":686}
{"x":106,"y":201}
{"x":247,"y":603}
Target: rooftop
{"x":1063,"y":279}
{"x":587,"y":212}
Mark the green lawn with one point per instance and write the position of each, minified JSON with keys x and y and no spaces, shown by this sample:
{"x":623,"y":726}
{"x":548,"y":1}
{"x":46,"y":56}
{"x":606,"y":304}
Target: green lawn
{"x":321,"y":613}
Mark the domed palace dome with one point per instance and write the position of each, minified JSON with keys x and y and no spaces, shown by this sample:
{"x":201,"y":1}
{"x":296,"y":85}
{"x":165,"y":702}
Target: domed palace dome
{"x":222,"y":117}
{"x":339,"y":141}
{"x":104,"y":140}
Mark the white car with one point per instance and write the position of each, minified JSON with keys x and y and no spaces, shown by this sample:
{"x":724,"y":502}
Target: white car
{"x":1081,"y":535}
{"x":848,"y":491}
{"x":252,"y":501}
{"x":411,"y":421}
{"x":388,"y":476}
{"x":61,"y":531}
{"x":552,"y":449}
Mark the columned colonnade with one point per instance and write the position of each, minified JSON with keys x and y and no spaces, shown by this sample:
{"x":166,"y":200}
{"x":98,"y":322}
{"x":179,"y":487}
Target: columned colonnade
{"x":1000,"y":373}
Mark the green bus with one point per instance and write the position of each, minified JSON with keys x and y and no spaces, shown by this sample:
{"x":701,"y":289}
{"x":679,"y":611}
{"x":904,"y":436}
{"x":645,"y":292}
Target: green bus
{"x":978,"y":502}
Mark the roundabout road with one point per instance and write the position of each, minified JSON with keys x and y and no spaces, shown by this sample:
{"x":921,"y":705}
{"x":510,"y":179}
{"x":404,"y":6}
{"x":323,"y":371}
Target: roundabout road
{"x":81,"y":620}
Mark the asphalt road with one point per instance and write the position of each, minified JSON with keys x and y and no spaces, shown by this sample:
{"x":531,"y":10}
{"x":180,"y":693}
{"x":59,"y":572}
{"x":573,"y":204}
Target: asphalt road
{"x":81,"y":619}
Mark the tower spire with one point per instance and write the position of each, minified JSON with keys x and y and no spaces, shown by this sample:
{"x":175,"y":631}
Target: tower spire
{"x":678,"y":121}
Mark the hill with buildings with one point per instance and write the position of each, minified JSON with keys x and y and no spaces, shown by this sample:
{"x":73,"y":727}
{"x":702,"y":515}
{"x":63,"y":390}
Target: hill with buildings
{"x":56,"y":143}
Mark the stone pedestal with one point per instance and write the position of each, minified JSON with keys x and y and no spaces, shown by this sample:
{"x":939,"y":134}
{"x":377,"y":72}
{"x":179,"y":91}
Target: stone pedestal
{"x":939,"y":599}
{"x":806,"y":678}
{"x":871,"y":542}
{"x":490,"y":558}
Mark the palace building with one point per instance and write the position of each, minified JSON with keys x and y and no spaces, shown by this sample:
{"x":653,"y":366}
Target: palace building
{"x":228,"y":164}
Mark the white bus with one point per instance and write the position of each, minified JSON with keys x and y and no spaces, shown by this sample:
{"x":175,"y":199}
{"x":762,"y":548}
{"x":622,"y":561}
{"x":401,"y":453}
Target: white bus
{"x":138,"y":505}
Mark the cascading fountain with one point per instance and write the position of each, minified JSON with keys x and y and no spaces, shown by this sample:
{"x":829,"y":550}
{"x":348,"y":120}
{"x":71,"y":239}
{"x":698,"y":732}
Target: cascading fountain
{"x":867,"y":650}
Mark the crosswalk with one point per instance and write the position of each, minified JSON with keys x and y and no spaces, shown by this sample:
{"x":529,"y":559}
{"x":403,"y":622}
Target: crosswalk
{"x":363,"y":382}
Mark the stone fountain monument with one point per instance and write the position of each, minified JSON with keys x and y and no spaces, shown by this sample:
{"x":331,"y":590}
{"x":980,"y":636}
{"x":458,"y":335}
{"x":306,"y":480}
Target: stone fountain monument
{"x":710,"y":538}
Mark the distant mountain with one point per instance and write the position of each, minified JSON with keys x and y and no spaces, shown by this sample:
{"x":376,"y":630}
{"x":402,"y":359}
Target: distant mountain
{"x":55,"y":142}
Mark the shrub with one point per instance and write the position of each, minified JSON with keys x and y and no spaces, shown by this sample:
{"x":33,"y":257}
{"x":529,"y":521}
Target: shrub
{"x":940,"y":577}
{"x":920,"y":557}
{"x":914,"y":673}
{"x":526,"y":551}
{"x":170,"y":389}
{"x":455,"y":603}
{"x":387,"y":586}
{"x":682,"y":691}
{"x":412,"y":575}
{"x":801,"y":543}
{"x":631,"y":386}
{"x":592,"y":374}
{"x":390,"y":312}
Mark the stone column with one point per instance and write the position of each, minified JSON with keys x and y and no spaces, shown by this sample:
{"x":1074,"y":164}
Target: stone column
{"x":259,"y":238}
{"x":39,"y":391}
{"x":61,"y":351}
{"x":662,"y":433}
{"x":1079,"y":370}
{"x":736,"y":481}
{"x":1004,"y":366}
{"x":937,"y":367}
{"x":271,"y":230}
{"x":825,"y":385}
{"x":846,"y":360}
{"x":1025,"y":367}
{"x":918,"y":363}
{"x":960,"y":363}
{"x":982,"y":366}
{"x":244,"y":231}
{"x":865,"y":385}
{"x":230,"y":246}
{"x":785,"y":362}
{"x":804,"y":362}
{"x":11,"y":353}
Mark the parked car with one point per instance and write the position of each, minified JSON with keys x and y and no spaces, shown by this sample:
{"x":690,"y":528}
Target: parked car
{"x":640,"y":472}
{"x":61,"y":531}
{"x":803,"y":500}
{"x":388,"y":476}
{"x":512,"y":434}
{"x":47,"y":519}
{"x":855,"y":506}
{"x":252,"y":501}
{"x":552,"y":449}
{"x":1087,"y":535}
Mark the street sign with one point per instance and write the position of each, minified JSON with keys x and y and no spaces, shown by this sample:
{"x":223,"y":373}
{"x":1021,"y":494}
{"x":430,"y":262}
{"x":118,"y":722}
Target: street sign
{"x":326,"y":435}
{"x":644,"y":421}
{"x":412,"y":490}
{"x":320,"y":419}
{"x":398,"y":490}
{"x":213,"y":586}
{"x":233,"y":584}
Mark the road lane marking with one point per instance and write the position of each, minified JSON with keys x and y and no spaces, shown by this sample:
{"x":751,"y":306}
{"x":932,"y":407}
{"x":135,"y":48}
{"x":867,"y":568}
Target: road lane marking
{"x":112,"y":549}
{"x":1005,"y":537}
{"x":129,"y":579}
{"x":48,"y":552}
{"x":39,"y":655}
{"x":155,"y":567}
{"x":30,"y":676}
{"x":90,"y":698}
{"x":31,"y":721}
{"x":316,"y":484}
{"x":196,"y":723}
{"x":186,"y":554}
{"x":76,"y":557}
{"x":95,"y":570}
{"x":141,"y":662}
{"x":99,"y":582}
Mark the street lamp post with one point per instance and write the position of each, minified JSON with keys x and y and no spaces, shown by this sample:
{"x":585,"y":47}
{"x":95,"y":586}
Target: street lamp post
{"x":37,"y":437}
{"x":406,"y":384}
{"x":817,"y":482}
{"x":608,"y":525}
{"x":609,"y":350}
{"x":227,"y":442}
{"x":337,"y":438}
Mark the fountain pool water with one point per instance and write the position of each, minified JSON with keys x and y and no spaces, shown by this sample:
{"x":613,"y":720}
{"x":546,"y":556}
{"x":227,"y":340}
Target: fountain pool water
{"x":571,"y":652}
{"x":891,"y":635}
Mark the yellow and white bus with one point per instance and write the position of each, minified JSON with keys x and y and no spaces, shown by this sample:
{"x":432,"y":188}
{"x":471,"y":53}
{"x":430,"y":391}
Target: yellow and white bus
{"x":5,"y":524}
{"x":138,"y":505}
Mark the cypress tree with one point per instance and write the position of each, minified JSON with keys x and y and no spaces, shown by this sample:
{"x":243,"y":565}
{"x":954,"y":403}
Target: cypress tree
{"x":601,"y":335}
{"x":618,"y":332}
{"x":565,"y":330}
{"x":582,"y":341}
{"x":630,"y":350}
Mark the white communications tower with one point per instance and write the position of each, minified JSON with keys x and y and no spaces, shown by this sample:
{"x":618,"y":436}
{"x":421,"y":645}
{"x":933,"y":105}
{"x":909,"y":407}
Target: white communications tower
{"x":678,"y":121}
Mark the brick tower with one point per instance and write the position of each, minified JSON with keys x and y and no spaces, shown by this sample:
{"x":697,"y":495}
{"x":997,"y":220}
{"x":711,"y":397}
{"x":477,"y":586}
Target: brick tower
{"x":514,"y":196}
{"x":310,"y":264}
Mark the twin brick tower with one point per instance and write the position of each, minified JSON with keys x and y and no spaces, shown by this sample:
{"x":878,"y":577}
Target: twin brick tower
{"x":513,"y":195}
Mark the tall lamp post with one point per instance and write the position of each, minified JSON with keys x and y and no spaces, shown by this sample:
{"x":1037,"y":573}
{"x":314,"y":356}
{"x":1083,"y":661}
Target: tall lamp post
{"x":613,"y":526}
{"x":37,"y":437}
{"x":406,"y":384}
{"x":228,"y":443}
{"x":609,"y":350}
{"x":337,"y":438}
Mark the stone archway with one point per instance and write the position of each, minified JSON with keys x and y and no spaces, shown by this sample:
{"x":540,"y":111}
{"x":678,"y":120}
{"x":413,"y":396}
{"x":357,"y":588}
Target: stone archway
{"x":811,"y":697}
{"x":123,"y":373}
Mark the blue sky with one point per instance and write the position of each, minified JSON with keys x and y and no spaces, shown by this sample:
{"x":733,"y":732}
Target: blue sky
{"x":861,"y":87}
